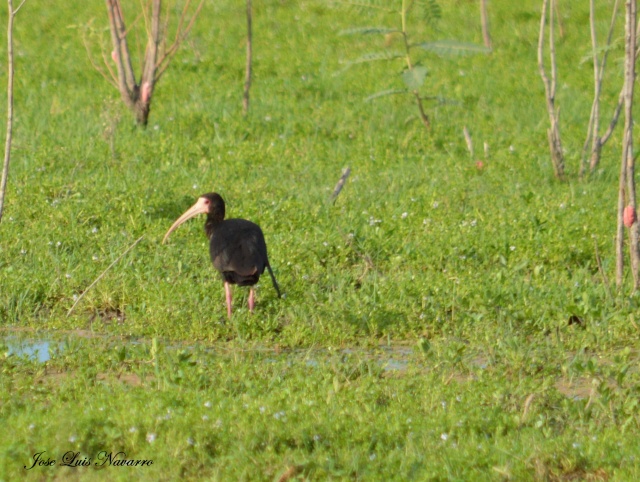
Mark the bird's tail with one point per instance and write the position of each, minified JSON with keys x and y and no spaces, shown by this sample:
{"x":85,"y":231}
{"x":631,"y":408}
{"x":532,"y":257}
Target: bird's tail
{"x":273,"y":280}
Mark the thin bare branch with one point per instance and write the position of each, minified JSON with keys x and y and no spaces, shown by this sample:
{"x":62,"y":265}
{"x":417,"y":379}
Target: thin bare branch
{"x":468,"y":140}
{"x":103,"y":273}
{"x":336,"y":191}
{"x":112,"y":80}
{"x":15,"y":12}
{"x":484,"y":19}
{"x":603,"y":275}
{"x":9,"y":133}
{"x":247,"y":75}
{"x":163,"y":63}
{"x":113,"y":75}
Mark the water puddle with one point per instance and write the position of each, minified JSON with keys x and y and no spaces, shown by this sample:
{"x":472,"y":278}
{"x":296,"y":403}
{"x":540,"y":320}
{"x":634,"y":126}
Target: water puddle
{"x":43,"y":347}
{"x":33,"y":349}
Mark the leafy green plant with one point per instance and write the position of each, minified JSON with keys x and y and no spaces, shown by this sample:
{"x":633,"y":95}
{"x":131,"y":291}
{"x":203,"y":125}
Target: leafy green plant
{"x":415,"y":72}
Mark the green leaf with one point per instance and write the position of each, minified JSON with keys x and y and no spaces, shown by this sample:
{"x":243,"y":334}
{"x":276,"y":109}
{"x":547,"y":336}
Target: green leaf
{"x":414,"y":78}
{"x":367,"y":31}
{"x":371,"y":57}
{"x":385,"y":93}
{"x":452,"y":47}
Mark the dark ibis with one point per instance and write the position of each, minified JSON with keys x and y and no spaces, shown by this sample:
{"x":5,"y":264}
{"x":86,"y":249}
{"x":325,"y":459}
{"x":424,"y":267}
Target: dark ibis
{"x":237,"y":247}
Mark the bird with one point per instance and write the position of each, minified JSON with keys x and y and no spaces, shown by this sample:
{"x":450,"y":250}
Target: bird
{"x":237,"y":246}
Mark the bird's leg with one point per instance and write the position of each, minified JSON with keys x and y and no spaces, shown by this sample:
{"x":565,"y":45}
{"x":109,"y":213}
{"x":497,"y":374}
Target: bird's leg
{"x":252,"y":299}
{"x":227,"y":291}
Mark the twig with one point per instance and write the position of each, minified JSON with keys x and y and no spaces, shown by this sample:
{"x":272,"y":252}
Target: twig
{"x":484,"y":19}
{"x":163,"y":63}
{"x":7,"y":145}
{"x":468,"y":140}
{"x":340,"y":185}
{"x":103,"y":273}
{"x":603,"y":275}
{"x":113,"y":81}
{"x":247,"y":76}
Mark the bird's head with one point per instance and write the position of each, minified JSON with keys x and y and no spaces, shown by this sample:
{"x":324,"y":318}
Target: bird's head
{"x":210,"y":204}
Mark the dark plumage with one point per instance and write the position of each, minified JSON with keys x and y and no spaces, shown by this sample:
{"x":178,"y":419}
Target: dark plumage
{"x":237,"y":247}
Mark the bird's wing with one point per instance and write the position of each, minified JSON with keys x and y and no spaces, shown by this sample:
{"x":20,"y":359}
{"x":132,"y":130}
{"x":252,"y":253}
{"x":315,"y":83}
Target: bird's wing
{"x":238,"y":245}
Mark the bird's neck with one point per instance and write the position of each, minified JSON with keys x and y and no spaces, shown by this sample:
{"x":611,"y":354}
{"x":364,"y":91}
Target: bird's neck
{"x":210,"y":225}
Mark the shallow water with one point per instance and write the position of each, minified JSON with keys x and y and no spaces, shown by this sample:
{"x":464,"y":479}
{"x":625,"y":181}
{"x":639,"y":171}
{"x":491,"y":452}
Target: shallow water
{"x":390,"y":358}
{"x":34,"y":349}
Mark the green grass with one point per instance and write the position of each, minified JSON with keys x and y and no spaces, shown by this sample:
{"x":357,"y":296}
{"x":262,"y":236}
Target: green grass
{"x":483,"y":268}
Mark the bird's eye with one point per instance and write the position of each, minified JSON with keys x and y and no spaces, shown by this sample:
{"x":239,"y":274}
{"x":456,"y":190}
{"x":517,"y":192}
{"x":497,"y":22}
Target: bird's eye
{"x":206,"y":201}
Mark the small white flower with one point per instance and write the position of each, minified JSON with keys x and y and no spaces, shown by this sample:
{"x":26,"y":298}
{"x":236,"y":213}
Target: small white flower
{"x":325,"y":244}
{"x":32,"y":426}
{"x":316,"y":437}
{"x":156,"y":127}
{"x":435,"y":205}
{"x":404,"y":215}
{"x":563,"y":205}
{"x":262,"y":409}
{"x":190,"y":441}
{"x":151,"y":437}
{"x":75,"y":297}
{"x":444,"y":404}
{"x":23,"y":252}
{"x":205,"y":418}
{"x":58,"y":243}
{"x":576,"y":445}
{"x":195,"y":186}
{"x":133,"y":430}
{"x":444,"y":436}
{"x":473,"y":223}
{"x":512,"y":248}
{"x":372,"y":457}
{"x":512,"y":149}
{"x":72,"y":439}
{"x":267,"y":118}
{"x":207,"y":404}
{"x":95,"y":258}
{"x":94,"y":230}
{"x":351,"y":235}
{"x":68,"y":275}
{"x":279,"y":415}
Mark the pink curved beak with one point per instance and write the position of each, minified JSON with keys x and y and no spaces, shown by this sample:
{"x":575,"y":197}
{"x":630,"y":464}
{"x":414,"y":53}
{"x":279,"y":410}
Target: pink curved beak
{"x":200,"y":207}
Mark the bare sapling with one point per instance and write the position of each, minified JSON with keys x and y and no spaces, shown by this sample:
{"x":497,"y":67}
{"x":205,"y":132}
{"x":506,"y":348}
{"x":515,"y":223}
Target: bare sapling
{"x":248,"y":67}
{"x":595,"y":141}
{"x":484,"y":20}
{"x":627,"y":189}
{"x":9,"y":133}
{"x":136,"y":94}
{"x":553,"y":133}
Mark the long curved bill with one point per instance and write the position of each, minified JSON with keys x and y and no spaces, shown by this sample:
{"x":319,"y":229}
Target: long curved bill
{"x":200,"y":207}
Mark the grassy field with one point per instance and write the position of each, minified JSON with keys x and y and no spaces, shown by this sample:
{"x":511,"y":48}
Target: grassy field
{"x":425,"y":329}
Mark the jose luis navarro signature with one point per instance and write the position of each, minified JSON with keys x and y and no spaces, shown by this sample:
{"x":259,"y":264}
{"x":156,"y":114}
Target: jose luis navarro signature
{"x":74,"y":459}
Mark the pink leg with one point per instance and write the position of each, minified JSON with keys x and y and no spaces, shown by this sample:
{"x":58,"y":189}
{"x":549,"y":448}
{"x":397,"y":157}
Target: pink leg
{"x":227,"y":291}
{"x":252,"y":299}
